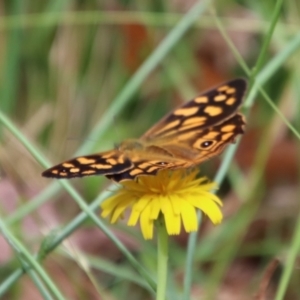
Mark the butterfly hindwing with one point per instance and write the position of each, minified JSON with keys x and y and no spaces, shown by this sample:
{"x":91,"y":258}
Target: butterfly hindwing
{"x":145,"y":166}
{"x":179,"y":153}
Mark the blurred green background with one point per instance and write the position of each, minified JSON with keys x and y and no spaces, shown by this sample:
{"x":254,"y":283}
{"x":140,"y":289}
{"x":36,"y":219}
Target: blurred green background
{"x":77,"y":77}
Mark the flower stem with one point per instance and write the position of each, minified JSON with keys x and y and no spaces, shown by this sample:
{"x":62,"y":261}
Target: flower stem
{"x":162,"y":260}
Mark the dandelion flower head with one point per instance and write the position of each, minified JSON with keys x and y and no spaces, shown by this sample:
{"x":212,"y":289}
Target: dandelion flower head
{"x":175,"y":195}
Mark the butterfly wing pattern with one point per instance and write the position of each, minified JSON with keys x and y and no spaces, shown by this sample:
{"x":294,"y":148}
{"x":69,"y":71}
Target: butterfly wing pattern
{"x":189,"y":135}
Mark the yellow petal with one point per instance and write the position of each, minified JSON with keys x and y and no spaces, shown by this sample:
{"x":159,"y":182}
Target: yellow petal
{"x":133,"y":218}
{"x":146,"y":223}
{"x":171,"y":220}
{"x":209,"y":207}
{"x":175,"y":199}
{"x":189,"y":216}
{"x":141,"y":203}
{"x":120,"y":209}
{"x":155,"y":209}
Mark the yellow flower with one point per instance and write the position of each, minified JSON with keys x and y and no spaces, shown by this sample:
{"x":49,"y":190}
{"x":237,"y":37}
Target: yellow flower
{"x":176,"y":195}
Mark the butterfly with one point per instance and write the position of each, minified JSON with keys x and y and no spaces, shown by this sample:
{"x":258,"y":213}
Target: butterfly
{"x":189,"y":135}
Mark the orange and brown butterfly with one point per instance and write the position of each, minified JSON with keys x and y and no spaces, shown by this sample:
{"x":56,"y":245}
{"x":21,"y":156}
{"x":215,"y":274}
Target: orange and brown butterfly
{"x":189,"y":135}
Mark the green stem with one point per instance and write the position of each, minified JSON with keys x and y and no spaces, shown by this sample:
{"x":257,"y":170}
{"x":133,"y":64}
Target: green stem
{"x":162,"y":261}
{"x":26,"y":257}
{"x":289,"y":264}
{"x":191,"y":248}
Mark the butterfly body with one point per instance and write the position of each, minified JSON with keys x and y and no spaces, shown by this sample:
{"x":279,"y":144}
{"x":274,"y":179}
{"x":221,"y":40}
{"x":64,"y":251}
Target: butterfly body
{"x":192,"y":133}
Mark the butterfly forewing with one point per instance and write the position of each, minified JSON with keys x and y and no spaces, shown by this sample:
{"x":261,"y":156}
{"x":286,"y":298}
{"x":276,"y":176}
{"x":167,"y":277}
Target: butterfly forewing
{"x":206,"y":110}
{"x":110,"y":162}
{"x":192,"y":133}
